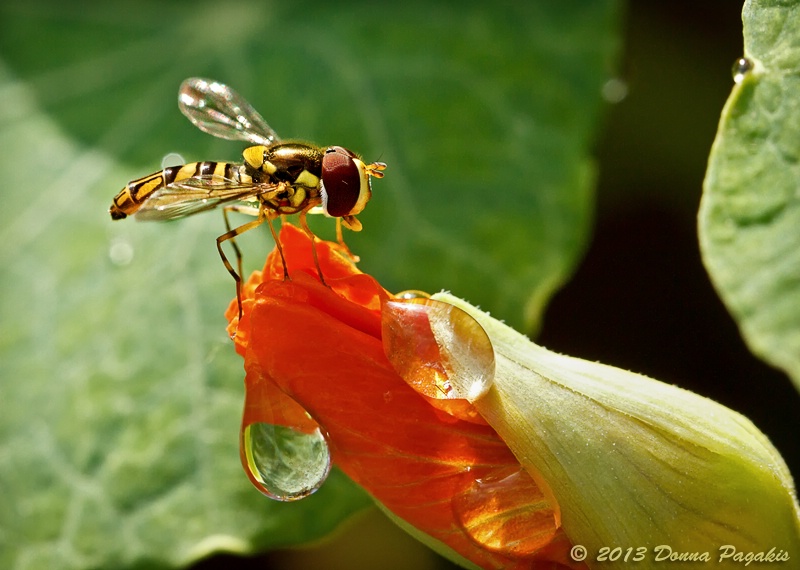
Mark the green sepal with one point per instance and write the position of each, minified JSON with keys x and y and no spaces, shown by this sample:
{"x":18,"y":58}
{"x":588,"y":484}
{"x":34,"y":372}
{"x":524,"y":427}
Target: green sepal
{"x":634,"y":462}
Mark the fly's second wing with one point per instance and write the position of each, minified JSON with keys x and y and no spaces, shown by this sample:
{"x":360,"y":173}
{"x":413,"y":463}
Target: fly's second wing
{"x":198,"y":194}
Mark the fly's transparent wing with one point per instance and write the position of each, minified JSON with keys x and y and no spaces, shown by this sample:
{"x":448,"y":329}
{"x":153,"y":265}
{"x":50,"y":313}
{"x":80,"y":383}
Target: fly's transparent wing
{"x":197,"y":194}
{"x":218,"y":110}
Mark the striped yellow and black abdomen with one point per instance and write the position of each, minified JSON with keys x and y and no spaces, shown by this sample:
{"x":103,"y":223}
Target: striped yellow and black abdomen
{"x":136,"y":192}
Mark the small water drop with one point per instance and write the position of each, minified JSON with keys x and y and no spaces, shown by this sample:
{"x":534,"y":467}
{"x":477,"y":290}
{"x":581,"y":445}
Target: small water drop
{"x":439,"y":349}
{"x":120,"y":252}
{"x":741,"y":68}
{"x":614,"y":90}
{"x":505,"y":511}
{"x":284,"y":463}
{"x":172,"y":159}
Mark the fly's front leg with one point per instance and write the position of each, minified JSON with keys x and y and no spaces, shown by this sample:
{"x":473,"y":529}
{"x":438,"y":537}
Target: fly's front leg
{"x":340,"y":239}
{"x":310,"y":234}
{"x":349,"y":221}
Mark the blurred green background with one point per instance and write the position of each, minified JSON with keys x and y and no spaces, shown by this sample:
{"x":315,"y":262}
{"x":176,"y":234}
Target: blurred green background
{"x":102,"y":80}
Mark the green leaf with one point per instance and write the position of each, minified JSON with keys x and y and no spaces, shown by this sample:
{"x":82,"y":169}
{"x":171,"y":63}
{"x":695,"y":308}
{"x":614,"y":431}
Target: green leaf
{"x":122,"y":395}
{"x":750,"y":212}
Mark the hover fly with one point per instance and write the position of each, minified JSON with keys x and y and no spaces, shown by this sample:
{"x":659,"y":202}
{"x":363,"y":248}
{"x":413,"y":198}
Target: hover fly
{"x":276,"y":177}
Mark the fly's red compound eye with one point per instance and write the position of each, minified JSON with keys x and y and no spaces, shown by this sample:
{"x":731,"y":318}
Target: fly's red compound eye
{"x":341,"y":182}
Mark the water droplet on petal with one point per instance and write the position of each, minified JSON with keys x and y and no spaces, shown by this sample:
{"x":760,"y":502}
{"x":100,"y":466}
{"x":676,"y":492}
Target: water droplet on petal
{"x":413,"y":294}
{"x":505,"y":511}
{"x":283,"y":449}
{"x":284,"y":463}
{"x":439,"y":349}
{"x":741,"y":68}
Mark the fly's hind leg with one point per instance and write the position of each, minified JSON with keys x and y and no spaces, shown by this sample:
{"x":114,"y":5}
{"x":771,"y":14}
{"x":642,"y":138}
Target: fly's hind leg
{"x":250,"y":211}
{"x":231,"y":234}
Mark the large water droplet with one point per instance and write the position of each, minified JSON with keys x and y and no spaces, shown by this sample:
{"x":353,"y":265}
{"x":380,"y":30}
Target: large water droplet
{"x":412,"y":294}
{"x":284,"y":463}
{"x":439,"y":349}
{"x":505,"y":511}
{"x":741,"y":68}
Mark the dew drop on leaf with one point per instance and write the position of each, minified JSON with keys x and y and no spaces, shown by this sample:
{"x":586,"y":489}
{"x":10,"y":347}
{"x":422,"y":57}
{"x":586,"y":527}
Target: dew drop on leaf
{"x":505,"y":511}
{"x":741,"y":68}
{"x":284,"y":463}
{"x":437,"y":348}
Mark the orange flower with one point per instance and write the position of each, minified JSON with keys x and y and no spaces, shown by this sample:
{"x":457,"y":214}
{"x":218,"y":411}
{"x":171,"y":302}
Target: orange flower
{"x":316,"y":368}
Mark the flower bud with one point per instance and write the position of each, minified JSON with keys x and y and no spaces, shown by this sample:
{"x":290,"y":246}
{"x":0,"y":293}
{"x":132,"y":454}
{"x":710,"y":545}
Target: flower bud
{"x":633,"y":462}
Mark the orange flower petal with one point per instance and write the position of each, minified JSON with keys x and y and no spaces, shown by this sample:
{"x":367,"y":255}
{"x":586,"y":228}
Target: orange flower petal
{"x":321,"y":347}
